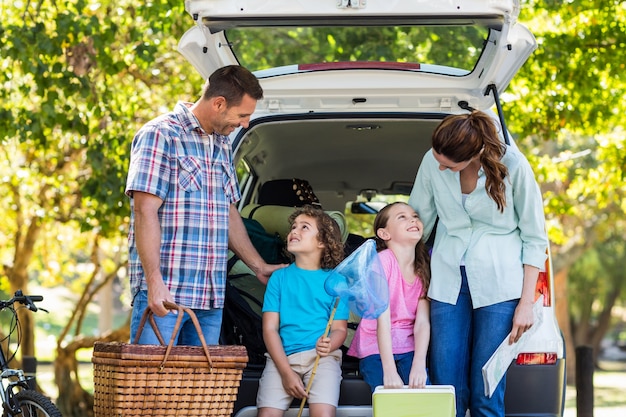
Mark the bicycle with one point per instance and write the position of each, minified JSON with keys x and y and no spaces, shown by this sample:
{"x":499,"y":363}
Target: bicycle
{"x":19,"y":399}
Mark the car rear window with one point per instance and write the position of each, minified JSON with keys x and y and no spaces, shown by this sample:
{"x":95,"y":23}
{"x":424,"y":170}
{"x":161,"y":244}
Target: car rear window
{"x":270,"y":47}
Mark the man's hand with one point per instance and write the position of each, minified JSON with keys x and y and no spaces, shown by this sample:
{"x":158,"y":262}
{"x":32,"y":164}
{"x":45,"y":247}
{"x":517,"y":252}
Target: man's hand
{"x":265,"y":270}
{"x":157,"y":294}
{"x":239,"y":242}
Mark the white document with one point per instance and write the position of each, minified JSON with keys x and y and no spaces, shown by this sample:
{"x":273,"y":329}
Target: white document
{"x":497,"y":365}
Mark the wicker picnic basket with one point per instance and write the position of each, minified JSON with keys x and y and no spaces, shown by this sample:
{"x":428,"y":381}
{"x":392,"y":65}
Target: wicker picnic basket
{"x":159,"y":380}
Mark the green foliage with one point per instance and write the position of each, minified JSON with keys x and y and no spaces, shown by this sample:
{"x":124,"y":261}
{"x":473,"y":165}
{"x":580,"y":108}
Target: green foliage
{"x":596,"y":277}
{"x":297,"y":45}
{"x":582,"y":178}
{"x":566,"y":105}
{"x":574,"y":83}
{"x":85,"y":75}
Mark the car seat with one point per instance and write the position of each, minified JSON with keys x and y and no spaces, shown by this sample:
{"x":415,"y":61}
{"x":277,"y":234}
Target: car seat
{"x":275,"y":218}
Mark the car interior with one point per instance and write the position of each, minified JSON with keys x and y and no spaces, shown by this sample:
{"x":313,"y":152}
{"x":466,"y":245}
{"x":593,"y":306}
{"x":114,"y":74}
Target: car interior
{"x":343,"y":159}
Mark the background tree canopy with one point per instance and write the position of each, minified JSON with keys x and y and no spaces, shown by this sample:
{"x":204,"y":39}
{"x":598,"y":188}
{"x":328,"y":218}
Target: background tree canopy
{"x":567,"y":106}
{"x":80,"y":77}
{"x":452,"y":46}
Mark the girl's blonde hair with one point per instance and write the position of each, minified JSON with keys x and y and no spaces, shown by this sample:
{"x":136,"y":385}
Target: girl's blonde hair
{"x":328,"y":233}
{"x":421,"y":264}
{"x":463,"y":136}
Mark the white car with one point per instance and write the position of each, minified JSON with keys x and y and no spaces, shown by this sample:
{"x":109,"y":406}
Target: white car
{"x":352,"y":92}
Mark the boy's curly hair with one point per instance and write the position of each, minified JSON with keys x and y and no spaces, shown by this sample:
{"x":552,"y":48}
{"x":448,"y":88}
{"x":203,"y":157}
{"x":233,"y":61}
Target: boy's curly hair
{"x":328,"y":233}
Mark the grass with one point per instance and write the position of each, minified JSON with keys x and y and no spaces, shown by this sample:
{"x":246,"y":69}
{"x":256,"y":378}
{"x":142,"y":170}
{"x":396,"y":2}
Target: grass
{"x":45,"y":378}
{"x":609,"y":386}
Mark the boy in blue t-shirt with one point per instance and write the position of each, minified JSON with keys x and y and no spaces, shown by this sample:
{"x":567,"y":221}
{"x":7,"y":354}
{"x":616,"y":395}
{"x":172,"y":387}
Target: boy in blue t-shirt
{"x":296,"y":311}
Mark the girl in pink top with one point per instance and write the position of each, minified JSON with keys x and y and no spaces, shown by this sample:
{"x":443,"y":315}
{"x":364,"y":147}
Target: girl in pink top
{"x":392,"y":348}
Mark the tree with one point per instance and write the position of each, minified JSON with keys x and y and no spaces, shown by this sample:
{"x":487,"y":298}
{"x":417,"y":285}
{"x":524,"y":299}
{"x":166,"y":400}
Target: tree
{"x":79,"y":77}
{"x":597,"y":281}
{"x":583,"y":185}
{"x":567,"y":103}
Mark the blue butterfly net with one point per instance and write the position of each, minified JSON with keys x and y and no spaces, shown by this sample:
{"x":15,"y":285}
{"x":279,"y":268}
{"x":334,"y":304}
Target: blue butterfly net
{"x":360,"y":282}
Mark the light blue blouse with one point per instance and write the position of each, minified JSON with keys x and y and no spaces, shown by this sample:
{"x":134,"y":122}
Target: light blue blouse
{"x":494,"y":245}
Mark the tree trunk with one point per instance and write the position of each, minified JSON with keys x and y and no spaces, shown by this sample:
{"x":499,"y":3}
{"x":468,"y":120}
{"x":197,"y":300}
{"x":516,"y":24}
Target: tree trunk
{"x":562,"y":316}
{"x":604,"y":320}
{"x":18,"y":280}
{"x":73,"y":400}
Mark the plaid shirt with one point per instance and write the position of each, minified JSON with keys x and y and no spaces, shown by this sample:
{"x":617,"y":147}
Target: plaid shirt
{"x":171,"y":158}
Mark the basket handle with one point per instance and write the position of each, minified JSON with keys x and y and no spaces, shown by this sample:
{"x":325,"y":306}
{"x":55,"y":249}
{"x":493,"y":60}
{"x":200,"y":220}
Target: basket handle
{"x":148,"y":314}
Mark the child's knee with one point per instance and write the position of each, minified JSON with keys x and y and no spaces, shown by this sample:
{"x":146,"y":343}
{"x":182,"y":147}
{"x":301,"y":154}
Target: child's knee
{"x":269,"y":412}
{"x":322,"y":410}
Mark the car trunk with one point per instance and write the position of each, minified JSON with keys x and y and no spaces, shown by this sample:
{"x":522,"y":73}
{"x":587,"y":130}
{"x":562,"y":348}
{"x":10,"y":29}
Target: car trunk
{"x":340,"y":155}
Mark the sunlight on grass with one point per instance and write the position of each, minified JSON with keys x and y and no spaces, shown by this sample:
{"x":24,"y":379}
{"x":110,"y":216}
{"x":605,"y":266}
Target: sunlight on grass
{"x":45,"y":378}
{"x":609,"y":386}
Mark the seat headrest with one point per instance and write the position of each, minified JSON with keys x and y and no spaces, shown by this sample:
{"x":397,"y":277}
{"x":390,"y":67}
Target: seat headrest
{"x":275,"y":219}
{"x":292,"y":192}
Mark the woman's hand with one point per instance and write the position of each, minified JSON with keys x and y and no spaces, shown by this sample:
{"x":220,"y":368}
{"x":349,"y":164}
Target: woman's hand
{"x":522,"y":321}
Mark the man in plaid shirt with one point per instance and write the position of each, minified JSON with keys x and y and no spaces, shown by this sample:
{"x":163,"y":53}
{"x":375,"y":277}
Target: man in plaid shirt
{"x":183,"y":189}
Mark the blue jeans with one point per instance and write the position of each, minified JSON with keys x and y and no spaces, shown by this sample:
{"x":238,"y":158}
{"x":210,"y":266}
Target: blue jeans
{"x":371,"y":368}
{"x":462,"y":340}
{"x":210,"y":323}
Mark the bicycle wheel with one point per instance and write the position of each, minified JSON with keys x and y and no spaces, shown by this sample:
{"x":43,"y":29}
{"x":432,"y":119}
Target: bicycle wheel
{"x":35,"y":404}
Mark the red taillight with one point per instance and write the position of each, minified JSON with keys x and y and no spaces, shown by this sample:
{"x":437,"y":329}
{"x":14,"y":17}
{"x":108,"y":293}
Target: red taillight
{"x":544,"y":284}
{"x":536,"y":359}
{"x":543,"y":288}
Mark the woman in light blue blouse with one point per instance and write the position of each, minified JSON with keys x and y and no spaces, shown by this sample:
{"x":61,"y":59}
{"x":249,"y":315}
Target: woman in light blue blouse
{"x":489,"y":247}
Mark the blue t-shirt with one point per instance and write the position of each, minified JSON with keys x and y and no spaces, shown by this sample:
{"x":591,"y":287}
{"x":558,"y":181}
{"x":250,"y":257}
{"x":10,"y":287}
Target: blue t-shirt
{"x":304,"y":306}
